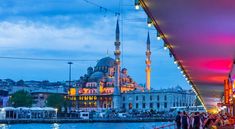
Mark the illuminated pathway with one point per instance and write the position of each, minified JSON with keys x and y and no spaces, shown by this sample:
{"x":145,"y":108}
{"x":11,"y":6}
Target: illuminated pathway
{"x":201,"y":37}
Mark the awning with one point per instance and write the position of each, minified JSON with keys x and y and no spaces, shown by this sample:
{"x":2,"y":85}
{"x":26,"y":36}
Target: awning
{"x":201,"y":36}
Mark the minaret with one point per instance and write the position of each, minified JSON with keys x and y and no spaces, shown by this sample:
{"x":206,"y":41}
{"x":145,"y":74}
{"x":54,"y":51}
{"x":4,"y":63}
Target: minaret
{"x":116,"y":97}
{"x":148,"y":63}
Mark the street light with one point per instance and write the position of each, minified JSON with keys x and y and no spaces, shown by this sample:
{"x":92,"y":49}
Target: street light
{"x":70,"y":63}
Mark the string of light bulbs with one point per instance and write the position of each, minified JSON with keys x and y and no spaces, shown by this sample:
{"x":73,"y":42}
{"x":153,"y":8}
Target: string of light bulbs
{"x":102,"y":7}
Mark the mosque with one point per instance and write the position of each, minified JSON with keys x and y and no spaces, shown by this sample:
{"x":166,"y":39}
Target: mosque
{"x":106,"y":85}
{"x":102,"y":86}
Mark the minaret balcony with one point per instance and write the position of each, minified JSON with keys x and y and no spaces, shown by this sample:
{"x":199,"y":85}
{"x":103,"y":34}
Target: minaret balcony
{"x":148,"y":53}
{"x":117,"y":53}
{"x":117,"y":43}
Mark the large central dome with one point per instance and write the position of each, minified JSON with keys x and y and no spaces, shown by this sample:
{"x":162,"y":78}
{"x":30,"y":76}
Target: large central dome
{"x":106,"y":62}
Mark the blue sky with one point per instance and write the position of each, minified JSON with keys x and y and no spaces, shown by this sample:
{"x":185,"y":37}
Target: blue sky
{"x":78,"y":30}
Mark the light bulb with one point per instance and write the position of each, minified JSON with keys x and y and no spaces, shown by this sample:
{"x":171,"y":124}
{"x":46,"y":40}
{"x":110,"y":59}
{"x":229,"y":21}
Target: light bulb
{"x":165,"y":46}
{"x":158,"y":36}
{"x":175,"y":62}
{"x":137,"y":6}
{"x":149,"y":22}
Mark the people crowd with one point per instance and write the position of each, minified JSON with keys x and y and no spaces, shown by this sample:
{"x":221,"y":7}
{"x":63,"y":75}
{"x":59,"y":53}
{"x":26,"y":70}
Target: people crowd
{"x":198,"y":120}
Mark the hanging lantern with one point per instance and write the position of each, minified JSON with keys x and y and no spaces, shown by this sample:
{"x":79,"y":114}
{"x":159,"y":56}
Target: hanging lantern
{"x":165,"y":46}
{"x":175,"y":61}
{"x":149,"y":22}
{"x":158,"y":36}
{"x":137,"y":4}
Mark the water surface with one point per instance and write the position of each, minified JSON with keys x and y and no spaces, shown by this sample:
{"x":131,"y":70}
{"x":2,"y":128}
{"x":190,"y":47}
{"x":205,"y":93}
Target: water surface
{"x":140,"y":125}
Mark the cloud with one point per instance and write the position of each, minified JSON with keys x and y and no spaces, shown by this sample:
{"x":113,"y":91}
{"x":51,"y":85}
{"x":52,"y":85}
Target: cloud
{"x":40,"y":36}
{"x":50,"y":30}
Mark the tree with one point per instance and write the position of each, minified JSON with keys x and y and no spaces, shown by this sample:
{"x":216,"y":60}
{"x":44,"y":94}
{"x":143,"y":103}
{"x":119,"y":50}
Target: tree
{"x":197,"y":102}
{"x":21,"y":98}
{"x":56,"y":101}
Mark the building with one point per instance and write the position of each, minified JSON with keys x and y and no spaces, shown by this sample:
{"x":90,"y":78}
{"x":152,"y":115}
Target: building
{"x":40,"y":95}
{"x":102,"y":86}
{"x":107,"y":86}
{"x":38,"y":91}
{"x":159,"y":100}
{"x":3,"y":98}
{"x":96,"y":88}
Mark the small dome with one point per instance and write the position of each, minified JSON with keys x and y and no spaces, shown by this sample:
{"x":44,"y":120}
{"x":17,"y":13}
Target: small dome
{"x":89,"y":68}
{"x":178,"y":88}
{"x":106,"y":62}
{"x":96,"y":76}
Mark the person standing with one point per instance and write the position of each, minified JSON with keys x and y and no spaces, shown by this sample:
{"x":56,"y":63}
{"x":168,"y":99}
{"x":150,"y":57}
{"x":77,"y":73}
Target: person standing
{"x":185,"y":121}
{"x":178,"y":120}
{"x":196,"y":121}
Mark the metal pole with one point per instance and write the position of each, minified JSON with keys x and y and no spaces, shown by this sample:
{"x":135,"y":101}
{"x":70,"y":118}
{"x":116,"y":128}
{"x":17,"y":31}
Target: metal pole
{"x":68,"y":97}
{"x":70,"y":73}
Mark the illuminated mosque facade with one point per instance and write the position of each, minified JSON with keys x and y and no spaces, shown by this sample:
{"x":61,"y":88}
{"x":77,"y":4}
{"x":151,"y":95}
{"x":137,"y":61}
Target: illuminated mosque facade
{"x":101,"y":87}
{"x":108,"y":86}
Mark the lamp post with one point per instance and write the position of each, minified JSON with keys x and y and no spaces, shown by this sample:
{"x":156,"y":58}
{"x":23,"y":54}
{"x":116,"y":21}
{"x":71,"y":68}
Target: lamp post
{"x":70,"y":63}
{"x":68,"y":97}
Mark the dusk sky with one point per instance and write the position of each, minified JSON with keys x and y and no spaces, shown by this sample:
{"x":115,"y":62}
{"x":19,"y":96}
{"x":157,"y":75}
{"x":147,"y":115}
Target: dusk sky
{"x":76,"y":29}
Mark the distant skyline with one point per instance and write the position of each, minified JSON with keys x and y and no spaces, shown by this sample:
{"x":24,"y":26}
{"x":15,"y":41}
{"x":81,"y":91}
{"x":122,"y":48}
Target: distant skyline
{"x":79,"y":30}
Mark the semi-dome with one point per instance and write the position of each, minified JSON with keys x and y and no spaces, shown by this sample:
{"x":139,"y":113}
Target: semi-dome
{"x":106,"y":62}
{"x":96,"y":76}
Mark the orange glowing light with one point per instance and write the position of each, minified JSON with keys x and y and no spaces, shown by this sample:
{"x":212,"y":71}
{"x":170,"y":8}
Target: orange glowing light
{"x":72,"y":92}
{"x":226,"y":91}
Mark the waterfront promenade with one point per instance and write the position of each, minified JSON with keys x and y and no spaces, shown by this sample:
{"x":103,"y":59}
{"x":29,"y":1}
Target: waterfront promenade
{"x":72,"y":120}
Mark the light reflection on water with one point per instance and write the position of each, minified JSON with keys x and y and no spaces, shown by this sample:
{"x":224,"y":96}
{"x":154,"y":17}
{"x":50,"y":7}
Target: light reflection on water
{"x":4,"y":126}
{"x":140,"y":125}
{"x":55,"y":126}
